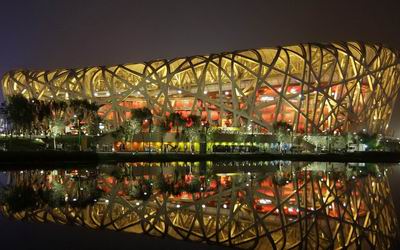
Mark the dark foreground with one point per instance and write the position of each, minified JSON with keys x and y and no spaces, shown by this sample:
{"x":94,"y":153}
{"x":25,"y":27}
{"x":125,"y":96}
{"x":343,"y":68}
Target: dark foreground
{"x":26,"y":235}
{"x":66,"y":159}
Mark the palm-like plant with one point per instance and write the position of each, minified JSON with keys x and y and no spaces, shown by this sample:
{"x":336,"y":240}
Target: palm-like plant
{"x":58,"y":110}
{"x":83,"y":110}
{"x":140,"y":115}
{"x":178,"y":121}
{"x":163,"y":128}
{"x":42,"y":114}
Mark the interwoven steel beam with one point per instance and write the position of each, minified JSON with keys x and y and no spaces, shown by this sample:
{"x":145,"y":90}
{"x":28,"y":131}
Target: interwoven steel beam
{"x":315,"y":87}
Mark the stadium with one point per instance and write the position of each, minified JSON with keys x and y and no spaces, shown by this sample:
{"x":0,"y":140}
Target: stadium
{"x":338,"y":87}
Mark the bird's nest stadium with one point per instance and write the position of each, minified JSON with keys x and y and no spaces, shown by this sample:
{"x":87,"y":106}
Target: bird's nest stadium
{"x":314,"y":87}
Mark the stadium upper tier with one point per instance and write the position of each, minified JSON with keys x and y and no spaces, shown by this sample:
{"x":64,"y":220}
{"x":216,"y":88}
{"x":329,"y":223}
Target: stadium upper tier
{"x":314,"y":87}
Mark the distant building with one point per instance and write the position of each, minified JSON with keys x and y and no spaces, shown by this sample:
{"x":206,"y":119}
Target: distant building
{"x":314,"y":87}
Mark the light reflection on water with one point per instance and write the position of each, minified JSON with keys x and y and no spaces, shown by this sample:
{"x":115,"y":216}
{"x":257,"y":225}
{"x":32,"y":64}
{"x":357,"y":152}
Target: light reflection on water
{"x":241,"y":204}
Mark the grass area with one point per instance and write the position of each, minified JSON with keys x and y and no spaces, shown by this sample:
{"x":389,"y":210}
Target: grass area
{"x":21,"y":144}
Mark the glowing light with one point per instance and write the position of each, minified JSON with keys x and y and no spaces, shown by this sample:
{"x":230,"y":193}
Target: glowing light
{"x":265,"y":201}
{"x":266,"y":98}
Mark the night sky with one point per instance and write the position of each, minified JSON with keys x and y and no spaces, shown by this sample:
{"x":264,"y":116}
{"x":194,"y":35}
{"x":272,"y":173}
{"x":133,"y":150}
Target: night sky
{"x":62,"y":34}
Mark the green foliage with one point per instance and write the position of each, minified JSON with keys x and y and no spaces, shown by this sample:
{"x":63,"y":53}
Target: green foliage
{"x":58,"y":110}
{"x":177,"y":121}
{"x":337,"y":142}
{"x":194,"y":186}
{"x":282,"y":131}
{"x":240,"y":137}
{"x":282,"y":126}
{"x":142,"y":189}
{"x":57,"y":127}
{"x":93,"y":127}
{"x":195,"y":120}
{"x":32,"y":115}
{"x":162,"y":184}
{"x":20,"y":113}
{"x":192,"y":134}
{"x":22,"y":144}
{"x":164,"y":126}
{"x":127,"y":130}
{"x":371,"y":140}
{"x":141,"y":114}
{"x":193,"y":131}
{"x":83,"y":109}
{"x":54,"y":197}
{"x":42,"y":114}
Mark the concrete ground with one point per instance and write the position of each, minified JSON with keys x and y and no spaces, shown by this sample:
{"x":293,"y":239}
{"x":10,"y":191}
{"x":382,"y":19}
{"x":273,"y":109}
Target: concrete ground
{"x":15,"y":235}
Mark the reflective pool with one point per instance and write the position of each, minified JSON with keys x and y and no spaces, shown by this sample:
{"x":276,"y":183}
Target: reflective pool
{"x":254,"y":205}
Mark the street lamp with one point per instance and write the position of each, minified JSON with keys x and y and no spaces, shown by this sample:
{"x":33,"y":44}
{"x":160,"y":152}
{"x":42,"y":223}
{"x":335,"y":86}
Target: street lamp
{"x":206,"y":126}
{"x":79,"y":131}
{"x":252,"y":134}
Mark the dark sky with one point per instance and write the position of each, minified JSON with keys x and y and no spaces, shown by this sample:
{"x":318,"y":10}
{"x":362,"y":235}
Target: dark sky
{"x":52,"y":34}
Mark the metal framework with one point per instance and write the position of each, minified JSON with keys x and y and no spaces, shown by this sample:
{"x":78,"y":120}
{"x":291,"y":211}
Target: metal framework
{"x":314,"y":87}
{"x":282,"y":210}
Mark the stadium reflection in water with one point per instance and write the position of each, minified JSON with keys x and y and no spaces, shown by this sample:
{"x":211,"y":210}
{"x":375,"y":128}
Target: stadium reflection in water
{"x":241,"y":204}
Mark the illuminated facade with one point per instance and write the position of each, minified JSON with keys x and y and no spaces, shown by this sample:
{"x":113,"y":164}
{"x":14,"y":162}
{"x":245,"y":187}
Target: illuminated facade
{"x":314,"y":87}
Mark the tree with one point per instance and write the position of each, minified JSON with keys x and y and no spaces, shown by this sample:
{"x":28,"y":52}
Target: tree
{"x":177,"y":121}
{"x":58,"y":110}
{"x":163,"y":128}
{"x":57,"y":128}
{"x":281,"y":126}
{"x":193,"y":129}
{"x":140,"y":115}
{"x":93,"y":126}
{"x":84,"y":112}
{"x":282,"y":131}
{"x":57,"y":118}
{"x":20,"y":113}
{"x":42,"y":115}
{"x":127,"y":130}
{"x":371,"y":140}
{"x":4,"y":117}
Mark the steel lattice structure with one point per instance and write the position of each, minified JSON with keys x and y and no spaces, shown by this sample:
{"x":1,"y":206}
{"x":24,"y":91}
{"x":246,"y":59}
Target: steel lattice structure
{"x":306,"y":209}
{"x":315,"y":87}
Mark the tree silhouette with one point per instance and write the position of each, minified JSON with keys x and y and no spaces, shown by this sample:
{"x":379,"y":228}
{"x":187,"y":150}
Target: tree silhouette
{"x":163,"y":128}
{"x":20,"y":113}
{"x":140,"y":115}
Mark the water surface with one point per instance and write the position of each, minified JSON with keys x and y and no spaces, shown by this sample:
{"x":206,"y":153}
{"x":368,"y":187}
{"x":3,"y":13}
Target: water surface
{"x":252,"y":205}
